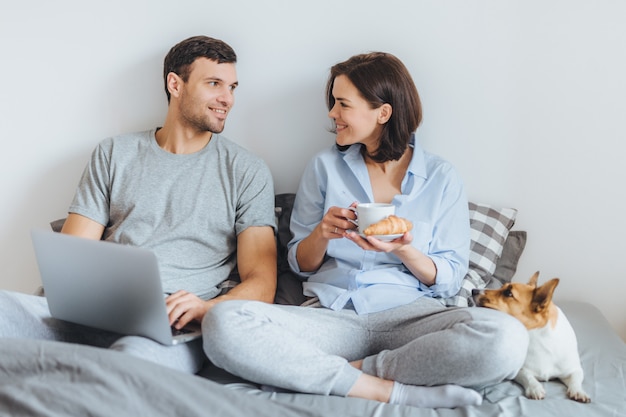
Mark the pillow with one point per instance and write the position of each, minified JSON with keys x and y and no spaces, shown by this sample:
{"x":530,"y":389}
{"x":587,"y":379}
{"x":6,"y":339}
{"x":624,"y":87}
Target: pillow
{"x":289,"y":287}
{"x":513,"y":248}
{"x":489,"y":230}
{"x":283,"y":205}
{"x":507,"y":264}
{"x":57,"y":225}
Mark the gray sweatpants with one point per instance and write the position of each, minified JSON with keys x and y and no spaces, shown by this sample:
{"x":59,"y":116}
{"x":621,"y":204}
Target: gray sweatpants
{"x":27,"y":316}
{"x":308,"y":349}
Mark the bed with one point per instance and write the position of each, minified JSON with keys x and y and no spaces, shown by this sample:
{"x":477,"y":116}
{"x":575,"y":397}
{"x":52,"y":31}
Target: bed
{"x":46,"y":378}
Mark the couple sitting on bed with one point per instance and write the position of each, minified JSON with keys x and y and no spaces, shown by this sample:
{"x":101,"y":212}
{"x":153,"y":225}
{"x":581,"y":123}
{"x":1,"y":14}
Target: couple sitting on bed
{"x":205,"y":207}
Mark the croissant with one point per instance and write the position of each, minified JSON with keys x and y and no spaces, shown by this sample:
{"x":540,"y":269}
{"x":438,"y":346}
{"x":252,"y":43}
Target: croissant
{"x":391,"y":225}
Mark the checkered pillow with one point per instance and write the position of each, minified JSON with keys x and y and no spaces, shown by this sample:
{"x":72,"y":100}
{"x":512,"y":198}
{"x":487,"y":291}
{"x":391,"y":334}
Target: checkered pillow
{"x":489,"y":228}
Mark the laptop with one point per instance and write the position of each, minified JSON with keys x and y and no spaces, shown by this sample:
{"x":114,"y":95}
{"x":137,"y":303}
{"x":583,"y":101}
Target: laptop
{"x":105,"y":285}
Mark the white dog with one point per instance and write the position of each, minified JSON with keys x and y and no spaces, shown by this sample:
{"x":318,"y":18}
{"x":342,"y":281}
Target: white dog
{"x":553,"y":349}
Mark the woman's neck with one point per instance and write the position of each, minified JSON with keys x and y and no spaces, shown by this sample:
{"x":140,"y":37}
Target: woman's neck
{"x":386,"y":177}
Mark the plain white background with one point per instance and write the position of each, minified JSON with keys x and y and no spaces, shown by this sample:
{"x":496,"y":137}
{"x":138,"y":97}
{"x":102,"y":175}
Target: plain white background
{"x":526,"y":98}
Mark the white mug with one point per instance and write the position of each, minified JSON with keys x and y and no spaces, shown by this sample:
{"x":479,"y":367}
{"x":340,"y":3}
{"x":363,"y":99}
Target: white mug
{"x":369,"y":213}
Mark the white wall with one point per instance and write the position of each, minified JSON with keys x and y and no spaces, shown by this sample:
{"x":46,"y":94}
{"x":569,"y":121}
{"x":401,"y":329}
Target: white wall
{"x":526,"y":98}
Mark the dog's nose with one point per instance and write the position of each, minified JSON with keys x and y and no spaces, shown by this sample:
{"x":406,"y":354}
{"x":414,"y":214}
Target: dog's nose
{"x":475,"y":291}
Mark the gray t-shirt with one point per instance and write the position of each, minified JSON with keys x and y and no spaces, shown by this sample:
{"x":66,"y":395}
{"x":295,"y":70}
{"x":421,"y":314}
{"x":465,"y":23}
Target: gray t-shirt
{"x":187,"y":208}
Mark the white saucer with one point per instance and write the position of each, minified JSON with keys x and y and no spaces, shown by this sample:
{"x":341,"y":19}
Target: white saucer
{"x":386,"y":238}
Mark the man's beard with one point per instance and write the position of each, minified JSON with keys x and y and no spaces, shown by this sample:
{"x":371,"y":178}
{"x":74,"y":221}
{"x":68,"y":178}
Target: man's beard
{"x":201,"y":122}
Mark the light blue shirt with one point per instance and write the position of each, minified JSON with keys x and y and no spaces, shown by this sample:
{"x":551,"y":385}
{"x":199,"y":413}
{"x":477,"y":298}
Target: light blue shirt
{"x":433,"y":198}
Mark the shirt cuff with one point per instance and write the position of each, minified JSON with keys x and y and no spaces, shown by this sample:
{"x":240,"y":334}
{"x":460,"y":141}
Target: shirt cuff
{"x":446,"y":284}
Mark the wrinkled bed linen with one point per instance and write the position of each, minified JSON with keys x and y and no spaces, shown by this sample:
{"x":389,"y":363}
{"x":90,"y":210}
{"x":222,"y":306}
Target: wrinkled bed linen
{"x":41,"y":378}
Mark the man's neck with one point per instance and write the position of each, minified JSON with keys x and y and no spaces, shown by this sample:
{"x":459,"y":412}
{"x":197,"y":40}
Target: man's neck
{"x":179,"y":140}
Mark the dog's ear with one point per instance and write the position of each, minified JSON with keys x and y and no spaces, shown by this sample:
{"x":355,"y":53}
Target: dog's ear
{"x":533,"y":280}
{"x":543,"y":295}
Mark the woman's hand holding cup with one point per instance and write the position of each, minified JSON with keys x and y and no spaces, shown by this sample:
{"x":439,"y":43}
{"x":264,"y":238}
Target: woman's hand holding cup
{"x":337,"y":221}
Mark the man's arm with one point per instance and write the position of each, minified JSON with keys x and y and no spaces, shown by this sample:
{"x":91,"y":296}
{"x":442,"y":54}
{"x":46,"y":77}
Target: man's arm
{"x":81,"y":226}
{"x":256,"y":263}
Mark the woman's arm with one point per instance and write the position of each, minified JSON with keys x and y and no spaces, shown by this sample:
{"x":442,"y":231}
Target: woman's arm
{"x":420,"y":265}
{"x":311,"y":250}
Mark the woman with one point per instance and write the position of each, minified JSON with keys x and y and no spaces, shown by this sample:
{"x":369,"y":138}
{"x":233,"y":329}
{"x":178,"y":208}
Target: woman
{"x":379,"y":332}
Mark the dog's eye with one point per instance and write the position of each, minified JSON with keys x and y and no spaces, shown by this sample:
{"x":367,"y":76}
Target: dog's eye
{"x":507,"y":293}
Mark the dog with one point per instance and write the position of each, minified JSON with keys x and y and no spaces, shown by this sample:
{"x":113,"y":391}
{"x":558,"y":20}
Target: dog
{"x":552,"y":349}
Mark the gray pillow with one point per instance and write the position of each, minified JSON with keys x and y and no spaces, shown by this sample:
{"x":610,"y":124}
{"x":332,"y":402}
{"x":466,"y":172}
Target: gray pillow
{"x":489,"y":229}
{"x":513,"y":248}
{"x":57,"y":225}
{"x":289,"y":286}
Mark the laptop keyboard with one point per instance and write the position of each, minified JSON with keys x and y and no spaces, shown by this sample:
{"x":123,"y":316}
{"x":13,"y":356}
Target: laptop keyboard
{"x":178,"y":332}
{"x":184,"y":330}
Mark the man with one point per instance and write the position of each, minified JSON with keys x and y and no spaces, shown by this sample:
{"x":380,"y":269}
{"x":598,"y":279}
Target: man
{"x":203,"y":204}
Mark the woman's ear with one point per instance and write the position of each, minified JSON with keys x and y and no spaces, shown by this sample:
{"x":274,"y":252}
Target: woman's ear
{"x":384,"y":113}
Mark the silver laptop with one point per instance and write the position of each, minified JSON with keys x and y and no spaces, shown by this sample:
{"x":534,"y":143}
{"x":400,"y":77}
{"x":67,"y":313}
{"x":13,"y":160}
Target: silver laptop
{"x":105,"y":285}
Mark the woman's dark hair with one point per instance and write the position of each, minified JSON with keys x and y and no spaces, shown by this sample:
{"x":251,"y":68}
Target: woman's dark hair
{"x":183,"y":54}
{"x":382,"y":78}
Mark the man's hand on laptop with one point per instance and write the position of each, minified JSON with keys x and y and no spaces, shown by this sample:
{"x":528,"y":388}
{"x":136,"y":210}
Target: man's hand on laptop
{"x":183,"y":307}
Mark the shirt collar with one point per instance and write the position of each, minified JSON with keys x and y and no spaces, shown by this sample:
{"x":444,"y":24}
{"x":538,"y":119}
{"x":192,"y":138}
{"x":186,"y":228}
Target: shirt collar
{"x":417,"y":166}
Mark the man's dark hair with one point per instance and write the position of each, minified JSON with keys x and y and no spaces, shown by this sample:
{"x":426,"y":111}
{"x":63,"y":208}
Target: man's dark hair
{"x":382,"y":78}
{"x":183,"y":54}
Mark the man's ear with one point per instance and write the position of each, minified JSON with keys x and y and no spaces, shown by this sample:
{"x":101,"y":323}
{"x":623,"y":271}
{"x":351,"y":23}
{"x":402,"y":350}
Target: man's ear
{"x":384,"y":113}
{"x":174,"y":84}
